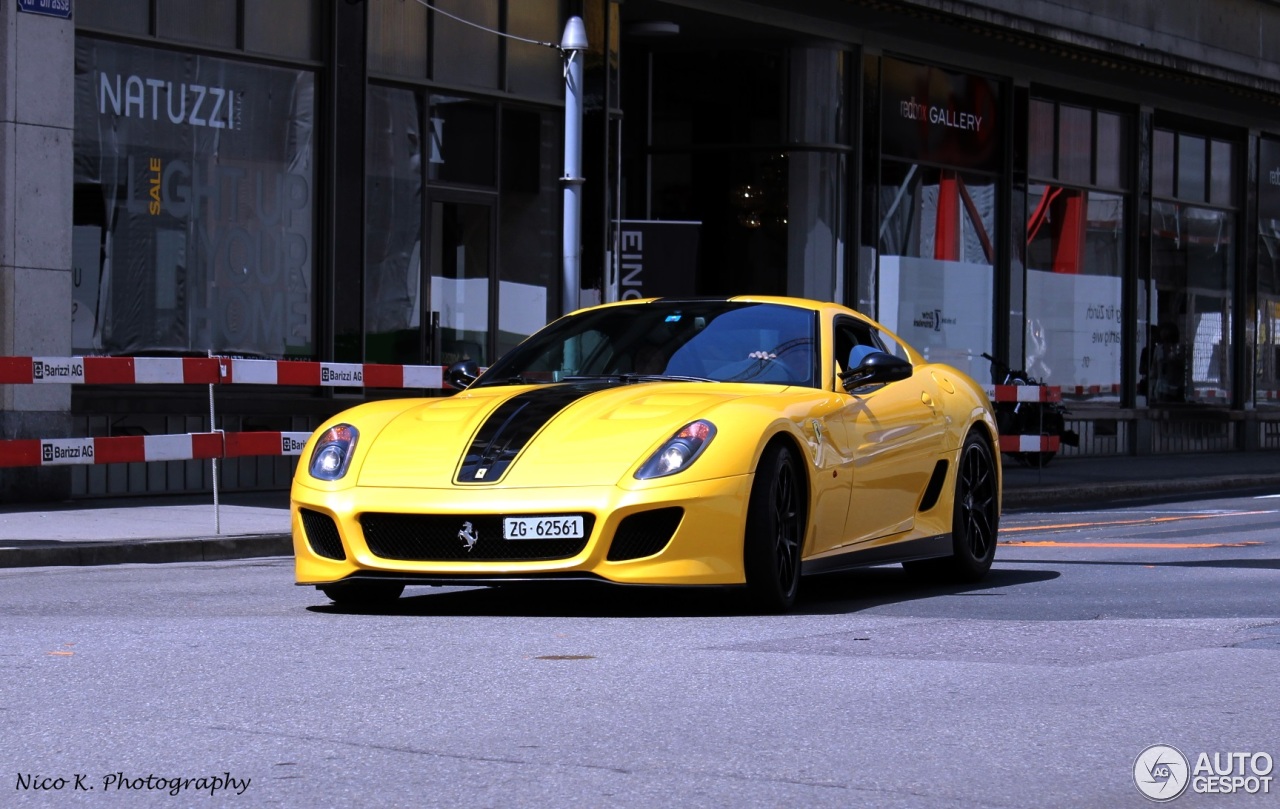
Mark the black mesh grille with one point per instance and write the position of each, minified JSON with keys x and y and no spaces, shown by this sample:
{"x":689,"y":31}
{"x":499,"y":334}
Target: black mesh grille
{"x":440,"y":538}
{"x":644,"y":534}
{"x":322,"y":534}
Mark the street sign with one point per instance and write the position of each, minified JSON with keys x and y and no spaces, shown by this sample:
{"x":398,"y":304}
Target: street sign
{"x":51,"y":8}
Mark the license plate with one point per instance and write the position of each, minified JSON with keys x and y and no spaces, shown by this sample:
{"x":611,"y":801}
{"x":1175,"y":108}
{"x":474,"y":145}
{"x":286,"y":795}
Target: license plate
{"x":542,"y":527}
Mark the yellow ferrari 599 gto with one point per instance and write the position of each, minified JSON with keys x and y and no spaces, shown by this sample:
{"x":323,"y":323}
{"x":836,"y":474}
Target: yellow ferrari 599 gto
{"x":740,"y":441}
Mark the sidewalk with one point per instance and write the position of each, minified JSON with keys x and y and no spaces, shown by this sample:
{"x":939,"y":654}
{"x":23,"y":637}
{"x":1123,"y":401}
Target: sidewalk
{"x":186,"y":529}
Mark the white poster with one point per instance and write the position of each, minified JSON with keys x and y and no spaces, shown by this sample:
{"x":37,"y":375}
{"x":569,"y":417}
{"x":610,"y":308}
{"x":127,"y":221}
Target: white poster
{"x":941,"y":308}
{"x":1073,"y":330}
{"x":86,"y":265}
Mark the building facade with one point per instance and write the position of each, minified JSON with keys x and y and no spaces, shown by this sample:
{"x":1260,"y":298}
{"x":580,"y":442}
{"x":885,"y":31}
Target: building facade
{"x":1092,"y":195}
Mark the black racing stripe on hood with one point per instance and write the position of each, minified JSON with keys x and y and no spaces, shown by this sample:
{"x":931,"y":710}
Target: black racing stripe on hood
{"x":511,"y":425}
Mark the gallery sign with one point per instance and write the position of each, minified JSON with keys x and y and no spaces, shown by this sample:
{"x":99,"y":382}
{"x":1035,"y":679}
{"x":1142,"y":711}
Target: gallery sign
{"x":937,"y":116}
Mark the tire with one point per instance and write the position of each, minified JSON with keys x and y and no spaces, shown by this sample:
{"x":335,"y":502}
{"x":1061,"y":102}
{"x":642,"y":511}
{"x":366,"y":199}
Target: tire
{"x":363,"y":594}
{"x":975,"y":519}
{"x":774,"y":536}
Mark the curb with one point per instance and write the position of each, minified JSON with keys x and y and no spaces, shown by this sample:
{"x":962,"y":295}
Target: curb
{"x":147,"y":551}
{"x":52,"y":553}
{"x":1074,"y":495}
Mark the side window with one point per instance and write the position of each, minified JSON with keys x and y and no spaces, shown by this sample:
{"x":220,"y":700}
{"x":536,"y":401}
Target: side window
{"x":889,"y":345}
{"x":853,"y":340}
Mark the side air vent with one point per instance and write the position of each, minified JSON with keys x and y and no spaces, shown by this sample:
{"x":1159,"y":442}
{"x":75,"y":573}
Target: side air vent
{"x":934,"y":489}
{"x":644,"y":534}
{"x":322,"y":534}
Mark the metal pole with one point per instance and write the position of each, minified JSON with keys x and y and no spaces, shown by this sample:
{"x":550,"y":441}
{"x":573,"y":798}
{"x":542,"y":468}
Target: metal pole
{"x":213,"y":428}
{"x":572,"y":44}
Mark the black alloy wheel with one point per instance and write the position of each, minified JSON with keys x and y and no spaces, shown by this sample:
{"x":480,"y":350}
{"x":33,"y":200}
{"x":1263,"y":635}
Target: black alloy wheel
{"x":976,"y":516}
{"x":975,"y":520}
{"x":776,"y":518}
{"x":363,"y":594}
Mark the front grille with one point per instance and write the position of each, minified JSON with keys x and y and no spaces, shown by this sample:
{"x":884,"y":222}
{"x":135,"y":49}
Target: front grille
{"x":441,"y":538}
{"x":322,"y":534}
{"x":644,"y":534}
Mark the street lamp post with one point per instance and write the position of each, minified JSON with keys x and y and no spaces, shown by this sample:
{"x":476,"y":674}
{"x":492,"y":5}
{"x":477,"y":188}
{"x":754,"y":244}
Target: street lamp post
{"x":572,"y":44}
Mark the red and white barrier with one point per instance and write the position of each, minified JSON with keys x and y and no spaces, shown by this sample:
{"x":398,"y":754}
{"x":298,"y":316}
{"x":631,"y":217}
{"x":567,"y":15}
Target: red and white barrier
{"x":144,"y":448}
{"x":1029,"y":443}
{"x":213,"y":370}
{"x":187,"y":371}
{"x":1091,"y":390}
{"x":109,"y":370}
{"x":1026,"y":393}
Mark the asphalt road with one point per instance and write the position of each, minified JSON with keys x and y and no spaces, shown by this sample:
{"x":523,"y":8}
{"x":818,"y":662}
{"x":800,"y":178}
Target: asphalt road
{"x":1097,"y":635}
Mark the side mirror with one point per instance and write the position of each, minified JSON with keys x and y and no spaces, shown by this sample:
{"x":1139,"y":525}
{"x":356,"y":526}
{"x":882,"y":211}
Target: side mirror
{"x":462,"y":373}
{"x":877,"y":368}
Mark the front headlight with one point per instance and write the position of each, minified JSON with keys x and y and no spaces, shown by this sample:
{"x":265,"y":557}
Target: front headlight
{"x":332,"y":453}
{"x":679,"y":451}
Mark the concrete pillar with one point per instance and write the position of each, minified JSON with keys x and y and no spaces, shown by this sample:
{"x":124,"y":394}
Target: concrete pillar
{"x":37,"y":96}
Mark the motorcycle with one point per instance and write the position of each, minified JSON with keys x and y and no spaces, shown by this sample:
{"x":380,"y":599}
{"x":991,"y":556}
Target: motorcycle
{"x":1030,"y":418}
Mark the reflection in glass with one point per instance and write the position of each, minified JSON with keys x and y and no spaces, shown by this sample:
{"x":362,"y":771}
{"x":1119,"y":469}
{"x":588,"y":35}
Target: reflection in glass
{"x":1192,"y":256}
{"x":1075,"y":262}
{"x":398,"y":39}
{"x":199,"y":197}
{"x":1268,"y":326}
{"x":460,"y":264}
{"x":936,"y":270}
{"x":393,"y":228}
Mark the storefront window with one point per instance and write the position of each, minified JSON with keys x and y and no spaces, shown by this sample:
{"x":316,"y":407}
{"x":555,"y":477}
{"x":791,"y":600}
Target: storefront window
{"x":195,"y":185}
{"x":535,"y":70}
{"x":1267,"y":382}
{"x":463,"y":141}
{"x":461,"y":53}
{"x":750,"y":148}
{"x":529,"y":215}
{"x":437,"y":156}
{"x":398,"y":39}
{"x":1188,"y":353}
{"x":937,"y":262}
{"x":1076,"y":248}
{"x":460,"y":279}
{"x":393,"y":303}
{"x":938,"y":212}
{"x":210,"y":22}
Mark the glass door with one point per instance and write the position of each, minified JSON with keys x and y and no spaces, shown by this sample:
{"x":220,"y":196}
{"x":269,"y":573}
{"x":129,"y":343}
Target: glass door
{"x":461,"y":278}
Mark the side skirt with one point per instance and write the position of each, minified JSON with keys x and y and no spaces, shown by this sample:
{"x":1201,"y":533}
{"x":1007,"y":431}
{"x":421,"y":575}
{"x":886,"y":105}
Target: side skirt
{"x":924,"y":548}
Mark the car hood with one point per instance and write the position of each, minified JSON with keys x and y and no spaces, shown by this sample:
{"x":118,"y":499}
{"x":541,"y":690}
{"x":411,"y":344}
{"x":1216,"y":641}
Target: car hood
{"x":567,"y":434}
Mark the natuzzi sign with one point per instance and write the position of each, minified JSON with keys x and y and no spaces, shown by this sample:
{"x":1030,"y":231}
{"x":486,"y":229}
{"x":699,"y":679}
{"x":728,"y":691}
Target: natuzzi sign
{"x":941,"y":117}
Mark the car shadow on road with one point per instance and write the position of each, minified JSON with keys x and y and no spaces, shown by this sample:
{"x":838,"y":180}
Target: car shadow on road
{"x":834,"y":593}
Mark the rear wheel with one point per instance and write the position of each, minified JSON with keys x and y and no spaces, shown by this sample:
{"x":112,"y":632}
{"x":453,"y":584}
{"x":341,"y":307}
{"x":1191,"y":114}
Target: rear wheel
{"x":975,"y":518}
{"x":776,"y":518}
{"x":363,"y":594}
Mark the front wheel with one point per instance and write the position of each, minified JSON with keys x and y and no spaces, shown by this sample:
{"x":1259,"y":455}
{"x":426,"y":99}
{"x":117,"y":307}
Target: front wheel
{"x":776,"y":517}
{"x":975,"y":519}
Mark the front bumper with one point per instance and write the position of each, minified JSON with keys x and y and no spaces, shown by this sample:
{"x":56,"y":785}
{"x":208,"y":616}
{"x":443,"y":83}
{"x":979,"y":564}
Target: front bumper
{"x":704,"y":548}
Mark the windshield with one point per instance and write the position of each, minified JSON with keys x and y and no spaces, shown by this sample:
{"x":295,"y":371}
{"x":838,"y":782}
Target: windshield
{"x":720,"y":341}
